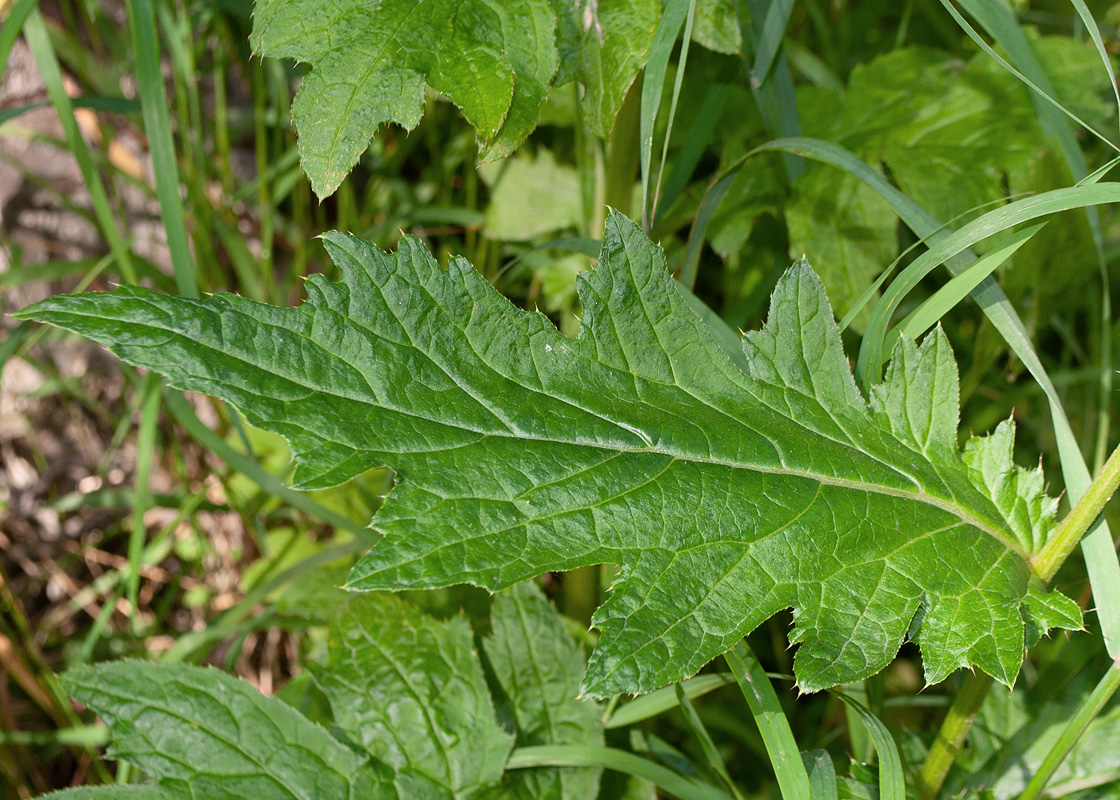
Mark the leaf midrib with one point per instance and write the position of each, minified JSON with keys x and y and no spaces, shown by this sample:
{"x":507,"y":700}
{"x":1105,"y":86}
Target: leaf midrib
{"x":918,"y":495}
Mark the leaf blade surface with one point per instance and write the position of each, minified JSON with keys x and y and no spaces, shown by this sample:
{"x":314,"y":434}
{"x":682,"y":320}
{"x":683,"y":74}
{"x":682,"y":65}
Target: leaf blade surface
{"x":724,"y":495}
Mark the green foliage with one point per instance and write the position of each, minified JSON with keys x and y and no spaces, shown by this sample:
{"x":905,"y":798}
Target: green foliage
{"x":495,"y":61}
{"x":410,"y":704}
{"x":724,"y":495}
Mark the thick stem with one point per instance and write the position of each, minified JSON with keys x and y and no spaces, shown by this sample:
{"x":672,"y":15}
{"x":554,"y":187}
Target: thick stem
{"x":1046,"y":564}
{"x":951,"y":736}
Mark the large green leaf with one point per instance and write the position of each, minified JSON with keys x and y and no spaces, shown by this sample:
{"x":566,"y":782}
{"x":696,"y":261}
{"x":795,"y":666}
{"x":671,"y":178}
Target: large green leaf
{"x":539,"y":669}
{"x":409,"y":689}
{"x":202,"y":733}
{"x":725,"y":496}
{"x":370,"y":61}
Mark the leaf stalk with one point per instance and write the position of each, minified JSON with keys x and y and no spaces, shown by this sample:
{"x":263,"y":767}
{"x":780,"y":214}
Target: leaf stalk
{"x":950,"y":738}
{"x":1067,"y":535}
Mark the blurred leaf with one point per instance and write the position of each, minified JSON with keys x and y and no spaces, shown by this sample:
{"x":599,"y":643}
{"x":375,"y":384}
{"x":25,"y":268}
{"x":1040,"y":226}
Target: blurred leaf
{"x":603,"y":44}
{"x":840,"y":224}
{"x":717,"y":26}
{"x":530,"y":196}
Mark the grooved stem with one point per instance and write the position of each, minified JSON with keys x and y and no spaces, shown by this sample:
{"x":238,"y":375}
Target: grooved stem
{"x":1080,"y":518}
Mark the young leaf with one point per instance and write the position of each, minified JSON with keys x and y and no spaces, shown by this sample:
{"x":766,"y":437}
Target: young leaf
{"x":202,"y":733}
{"x":539,"y":669}
{"x":603,"y":44}
{"x":724,"y":495}
{"x":409,"y":689}
{"x":370,"y":63}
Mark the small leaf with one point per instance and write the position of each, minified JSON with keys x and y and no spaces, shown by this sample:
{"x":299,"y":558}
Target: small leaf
{"x":539,"y":669}
{"x":203,"y":733}
{"x":724,"y":496}
{"x":370,"y":63}
{"x":603,"y":44}
{"x":410,"y":690}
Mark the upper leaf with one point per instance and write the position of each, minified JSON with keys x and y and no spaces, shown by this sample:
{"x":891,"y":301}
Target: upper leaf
{"x":495,"y":61}
{"x":203,"y":733}
{"x":724,"y":495}
{"x":370,"y":62}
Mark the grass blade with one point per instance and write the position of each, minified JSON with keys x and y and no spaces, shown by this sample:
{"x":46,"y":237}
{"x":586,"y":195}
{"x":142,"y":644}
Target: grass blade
{"x":944,"y":299}
{"x":678,"y":81}
{"x":145,"y":454}
{"x":1095,"y":34}
{"x":1075,"y":728}
{"x":1001,"y":23}
{"x":776,"y":99}
{"x":35,"y":33}
{"x":872,"y":353}
{"x":11,"y":28}
{"x":668,"y":29}
{"x":570,"y":755}
{"x":153,"y":101}
{"x":793,"y":780}
{"x":770,"y":39}
{"x":696,"y":141}
{"x":661,"y":700}
{"x":822,"y":774}
{"x":892,"y":781}
{"x":711,"y":752}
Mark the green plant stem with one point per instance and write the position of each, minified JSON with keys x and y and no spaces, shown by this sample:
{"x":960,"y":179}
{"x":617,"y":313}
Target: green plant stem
{"x":1074,"y":729}
{"x":562,"y":755}
{"x":1080,"y":518}
{"x":951,"y":735}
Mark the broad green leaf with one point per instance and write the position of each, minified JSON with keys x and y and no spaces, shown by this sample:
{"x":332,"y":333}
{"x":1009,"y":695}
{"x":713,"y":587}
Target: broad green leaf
{"x":603,"y":44}
{"x":724,"y":495}
{"x":369,"y":64}
{"x":539,"y":669}
{"x":410,"y":690}
{"x":202,"y":733}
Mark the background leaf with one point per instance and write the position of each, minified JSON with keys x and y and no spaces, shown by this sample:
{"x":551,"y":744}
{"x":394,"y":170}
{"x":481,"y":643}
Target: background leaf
{"x":370,"y":64}
{"x":539,"y":669}
{"x":409,"y":689}
{"x":203,"y":733}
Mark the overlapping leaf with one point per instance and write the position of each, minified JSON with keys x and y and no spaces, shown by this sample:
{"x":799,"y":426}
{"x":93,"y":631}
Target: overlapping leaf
{"x":539,"y":668}
{"x":724,"y":495}
{"x":202,"y":733}
{"x":409,"y":689}
{"x":406,"y":688}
